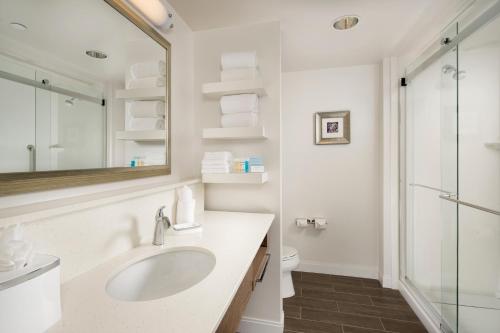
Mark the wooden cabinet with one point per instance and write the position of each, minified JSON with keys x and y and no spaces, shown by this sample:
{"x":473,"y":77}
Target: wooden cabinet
{"x":255,"y":273}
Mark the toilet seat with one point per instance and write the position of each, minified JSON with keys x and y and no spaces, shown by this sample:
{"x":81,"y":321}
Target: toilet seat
{"x":289,"y":253}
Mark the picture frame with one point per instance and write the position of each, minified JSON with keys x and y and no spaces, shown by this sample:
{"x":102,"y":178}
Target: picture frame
{"x":332,"y":127}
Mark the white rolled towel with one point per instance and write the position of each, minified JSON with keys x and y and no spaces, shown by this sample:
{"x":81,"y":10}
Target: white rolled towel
{"x":148,"y":69}
{"x":239,"y":74}
{"x":238,"y":60}
{"x":146,"y":109}
{"x":145,"y":124}
{"x":239,"y":103}
{"x":147,"y":82}
{"x":239,"y":120}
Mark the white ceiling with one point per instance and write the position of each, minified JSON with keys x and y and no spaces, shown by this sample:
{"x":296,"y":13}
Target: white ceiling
{"x":309,"y":42}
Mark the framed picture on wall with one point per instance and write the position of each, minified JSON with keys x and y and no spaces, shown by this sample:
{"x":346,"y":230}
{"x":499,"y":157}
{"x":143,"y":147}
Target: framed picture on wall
{"x":332,"y":128}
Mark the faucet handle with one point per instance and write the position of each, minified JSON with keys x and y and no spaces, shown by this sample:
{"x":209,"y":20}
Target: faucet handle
{"x":159,"y":213}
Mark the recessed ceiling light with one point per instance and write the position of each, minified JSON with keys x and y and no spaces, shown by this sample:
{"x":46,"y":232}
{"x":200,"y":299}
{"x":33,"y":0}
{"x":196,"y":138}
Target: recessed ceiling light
{"x":96,"y":54}
{"x":18,"y":26}
{"x":345,"y":22}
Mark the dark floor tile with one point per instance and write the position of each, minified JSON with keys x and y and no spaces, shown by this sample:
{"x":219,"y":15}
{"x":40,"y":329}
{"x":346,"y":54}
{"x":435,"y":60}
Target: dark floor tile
{"x":291,"y":311}
{"x":287,"y":331}
{"x":341,"y":318}
{"x":312,"y":303}
{"x":296,"y":275}
{"x":334,"y":296}
{"x":339,"y":279}
{"x":390,"y":302}
{"x":377,"y":311}
{"x":371,"y":283}
{"x":403,"y":326}
{"x":313,"y":285}
{"x":316,"y":277}
{"x":352,"y":329}
{"x":379,"y":292}
{"x":309,"y":326}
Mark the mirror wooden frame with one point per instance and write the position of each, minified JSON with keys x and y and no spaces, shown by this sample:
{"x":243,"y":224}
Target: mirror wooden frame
{"x":23,"y":182}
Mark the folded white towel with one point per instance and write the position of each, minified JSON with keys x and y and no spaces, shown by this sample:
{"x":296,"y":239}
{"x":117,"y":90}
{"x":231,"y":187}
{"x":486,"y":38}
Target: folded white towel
{"x":214,"y":164}
{"x":238,"y":60}
{"x":217,"y":155}
{"x":239,"y":120}
{"x":215,"y":170}
{"x":145,"y":124}
{"x":239,"y":103}
{"x":148,"y":69}
{"x":146,"y":109}
{"x":147,"y":82}
{"x":239,"y":74}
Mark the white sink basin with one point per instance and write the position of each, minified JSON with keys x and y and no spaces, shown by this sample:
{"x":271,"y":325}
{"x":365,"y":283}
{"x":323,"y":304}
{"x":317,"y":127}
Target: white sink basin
{"x":161,"y":275}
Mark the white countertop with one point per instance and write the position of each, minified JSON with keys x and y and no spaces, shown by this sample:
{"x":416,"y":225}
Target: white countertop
{"x":233,"y":238}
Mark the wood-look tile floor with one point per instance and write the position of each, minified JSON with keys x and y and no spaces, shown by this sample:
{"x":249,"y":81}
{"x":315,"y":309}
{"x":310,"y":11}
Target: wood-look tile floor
{"x":339,"y":304}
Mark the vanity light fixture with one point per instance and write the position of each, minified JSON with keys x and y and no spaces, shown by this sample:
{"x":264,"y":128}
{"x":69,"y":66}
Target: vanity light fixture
{"x":345,"y":22}
{"x":155,"y":11}
{"x":18,"y":26}
{"x":96,"y":54}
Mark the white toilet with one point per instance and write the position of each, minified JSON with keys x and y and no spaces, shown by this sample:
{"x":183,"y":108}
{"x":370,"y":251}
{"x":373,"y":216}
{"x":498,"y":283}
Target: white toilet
{"x":289,"y":262}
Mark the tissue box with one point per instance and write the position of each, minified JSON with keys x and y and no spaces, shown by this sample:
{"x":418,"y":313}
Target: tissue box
{"x":30,"y":297}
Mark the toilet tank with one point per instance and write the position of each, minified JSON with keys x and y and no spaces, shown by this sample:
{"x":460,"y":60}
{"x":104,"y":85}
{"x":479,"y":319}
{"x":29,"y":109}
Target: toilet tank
{"x":30,"y":297}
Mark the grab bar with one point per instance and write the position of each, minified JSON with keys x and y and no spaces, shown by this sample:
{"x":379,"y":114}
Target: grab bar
{"x":468,"y":204}
{"x":430,"y":188}
{"x":32,"y":152}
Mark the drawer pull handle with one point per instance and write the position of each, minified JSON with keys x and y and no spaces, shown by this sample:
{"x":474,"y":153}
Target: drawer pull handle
{"x":261,"y":275}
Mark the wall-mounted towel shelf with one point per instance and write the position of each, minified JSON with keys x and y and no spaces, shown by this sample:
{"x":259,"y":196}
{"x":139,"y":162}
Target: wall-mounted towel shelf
{"x":156,"y":135}
{"x":218,"y":89}
{"x":493,"y":145}
{"x":235,"y":178}
{"x":142,"y":94}
{"x":235,"y":133}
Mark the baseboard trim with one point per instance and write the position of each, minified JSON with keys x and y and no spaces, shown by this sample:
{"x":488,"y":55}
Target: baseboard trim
{"x":338,"y":269}
{"x":255,"y":325}
{"x":387,"y":281}
{"x":418,"y":308}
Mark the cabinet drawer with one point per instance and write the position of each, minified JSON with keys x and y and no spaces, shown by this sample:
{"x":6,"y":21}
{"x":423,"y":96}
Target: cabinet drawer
{"x":231,"y":320}
{"x":256,"y":271}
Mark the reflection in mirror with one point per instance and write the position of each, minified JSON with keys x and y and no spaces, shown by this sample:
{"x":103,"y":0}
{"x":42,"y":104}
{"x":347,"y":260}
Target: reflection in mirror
{"x":81,"y":87}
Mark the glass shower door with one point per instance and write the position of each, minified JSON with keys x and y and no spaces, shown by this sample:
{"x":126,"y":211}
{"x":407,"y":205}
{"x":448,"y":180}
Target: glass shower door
{"x":449,"y":219}
{"x":479,"y":180}
{"x":431,"y":172}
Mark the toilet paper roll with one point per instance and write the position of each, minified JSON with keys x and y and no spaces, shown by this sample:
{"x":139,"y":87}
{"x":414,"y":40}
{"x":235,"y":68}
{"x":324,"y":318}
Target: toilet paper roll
{"x":319,"y":223}
{"x":301,"y":223}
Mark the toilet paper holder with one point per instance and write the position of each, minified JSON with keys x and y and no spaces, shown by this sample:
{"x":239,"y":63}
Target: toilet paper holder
{"x":310,"y":221}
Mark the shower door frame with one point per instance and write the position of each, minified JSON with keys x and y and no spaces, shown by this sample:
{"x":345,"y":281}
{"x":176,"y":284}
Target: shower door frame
{"x":469,"y":20}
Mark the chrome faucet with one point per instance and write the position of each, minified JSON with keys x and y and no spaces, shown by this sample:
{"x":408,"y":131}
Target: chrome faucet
{"x":162,"y":223}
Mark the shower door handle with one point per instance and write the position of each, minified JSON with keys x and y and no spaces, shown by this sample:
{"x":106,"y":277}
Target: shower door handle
{"x":468,"y":204}
{"x":32,"y":156}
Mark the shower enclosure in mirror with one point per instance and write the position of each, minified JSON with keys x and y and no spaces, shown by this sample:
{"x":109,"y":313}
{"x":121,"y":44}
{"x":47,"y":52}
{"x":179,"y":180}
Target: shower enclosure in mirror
{"x":84,"y":94}
{"x":451,"y":176}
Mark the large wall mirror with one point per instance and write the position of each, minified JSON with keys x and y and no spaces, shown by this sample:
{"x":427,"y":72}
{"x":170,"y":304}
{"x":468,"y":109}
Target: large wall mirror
{"x":84,"y":95}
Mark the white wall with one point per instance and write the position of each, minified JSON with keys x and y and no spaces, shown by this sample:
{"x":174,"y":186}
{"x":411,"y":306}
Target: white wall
{"x":339,"y":182}
{"x":265,"y":39}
